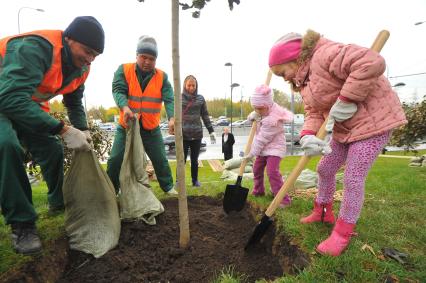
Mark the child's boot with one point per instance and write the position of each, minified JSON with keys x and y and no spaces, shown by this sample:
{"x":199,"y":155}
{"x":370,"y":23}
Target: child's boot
{"x":286,"y":201}
{"x":321,"y":213}
{"x":338,"y":240}
{"x":258,"y":192}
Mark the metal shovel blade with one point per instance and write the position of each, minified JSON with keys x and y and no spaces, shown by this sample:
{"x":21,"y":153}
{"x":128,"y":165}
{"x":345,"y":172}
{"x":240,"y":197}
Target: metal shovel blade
{"x":235,"y":197}
{"x":259,"y":232}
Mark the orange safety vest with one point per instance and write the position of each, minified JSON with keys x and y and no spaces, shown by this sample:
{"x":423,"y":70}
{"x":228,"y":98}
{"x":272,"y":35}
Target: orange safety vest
{"x":51,"y":85}
{"x":147,"y":103}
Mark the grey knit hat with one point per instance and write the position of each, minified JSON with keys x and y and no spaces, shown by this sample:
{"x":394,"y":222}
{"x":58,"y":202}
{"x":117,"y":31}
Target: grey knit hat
{"x":147,"y":45}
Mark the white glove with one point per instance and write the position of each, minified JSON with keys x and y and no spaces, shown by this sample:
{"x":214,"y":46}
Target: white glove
{"x":212,"y":138}
{"x":248,"y":157}
{"x":340,"y":112}
{"x":314,"y":146}
{"x":88,"y":136}
{"x":254,"y":116}
{"x":76,"y":139}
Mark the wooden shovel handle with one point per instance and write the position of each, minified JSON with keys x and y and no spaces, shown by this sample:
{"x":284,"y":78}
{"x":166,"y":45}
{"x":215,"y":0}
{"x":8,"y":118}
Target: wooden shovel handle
{"x":252,"y":133}
{"x":377,"y":46}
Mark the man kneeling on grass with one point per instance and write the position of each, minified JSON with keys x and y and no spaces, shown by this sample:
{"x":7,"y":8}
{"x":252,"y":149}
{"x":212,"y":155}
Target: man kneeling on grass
{"x":35,"y":67}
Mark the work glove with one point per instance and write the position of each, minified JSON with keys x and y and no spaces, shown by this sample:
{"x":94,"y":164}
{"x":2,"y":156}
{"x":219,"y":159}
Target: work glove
{"x":314,"y":146}
{"x":340,"y":112}
{"x":76,"y":139}
{"x":212,"y":138}
{"x":128,"y":114}
{"x":172,"y":126}
{"x":249,"y":157}
{"x":88,"y":137}
{"x":254,"y":116}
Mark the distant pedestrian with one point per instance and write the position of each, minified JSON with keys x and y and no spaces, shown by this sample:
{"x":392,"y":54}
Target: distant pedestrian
{"x":269,"y":144}
{"x":227,"y":144}
{"x":193,"y":108}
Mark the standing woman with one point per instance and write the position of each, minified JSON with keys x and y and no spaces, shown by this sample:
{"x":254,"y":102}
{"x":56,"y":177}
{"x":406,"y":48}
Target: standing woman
{"x":227,"y":144}
{"x":193,"y":108}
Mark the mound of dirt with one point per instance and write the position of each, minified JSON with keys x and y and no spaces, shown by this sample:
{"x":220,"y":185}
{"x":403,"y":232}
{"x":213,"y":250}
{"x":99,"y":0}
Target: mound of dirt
{"x":152,"y":254}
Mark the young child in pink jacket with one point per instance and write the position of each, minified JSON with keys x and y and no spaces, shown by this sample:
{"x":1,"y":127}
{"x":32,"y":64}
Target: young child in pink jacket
{"x":345,"y":83}
{"x":269,"y":142}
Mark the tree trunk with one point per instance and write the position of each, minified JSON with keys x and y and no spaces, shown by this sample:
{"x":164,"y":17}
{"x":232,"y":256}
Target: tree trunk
{"x":180,"y":164}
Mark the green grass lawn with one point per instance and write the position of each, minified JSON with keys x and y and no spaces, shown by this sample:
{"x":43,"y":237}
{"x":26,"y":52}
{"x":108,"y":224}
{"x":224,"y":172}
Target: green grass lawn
{"x":393,"y":216}
{"x":407,"y":153}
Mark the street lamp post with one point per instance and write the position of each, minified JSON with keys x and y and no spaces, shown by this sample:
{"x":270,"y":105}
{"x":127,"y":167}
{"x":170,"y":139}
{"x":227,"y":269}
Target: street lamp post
{"x":241,"y":103}
{"x":19,"y":14}
{"x":229,"y":64}
{"x":232,"y":87}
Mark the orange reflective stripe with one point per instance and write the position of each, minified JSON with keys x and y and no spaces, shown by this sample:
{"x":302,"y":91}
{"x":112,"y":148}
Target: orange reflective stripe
{"x":51,"y":84}
{"x":147,"y":102}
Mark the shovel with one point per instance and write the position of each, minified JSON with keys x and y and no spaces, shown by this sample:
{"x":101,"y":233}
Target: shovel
{"x":235,"y":195}
{"x":266,"y":221}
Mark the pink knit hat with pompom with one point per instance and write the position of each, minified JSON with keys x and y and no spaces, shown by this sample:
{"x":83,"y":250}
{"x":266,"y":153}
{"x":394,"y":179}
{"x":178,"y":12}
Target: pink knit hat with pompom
{"x":262,"y":97}
{"x":285,"y":49}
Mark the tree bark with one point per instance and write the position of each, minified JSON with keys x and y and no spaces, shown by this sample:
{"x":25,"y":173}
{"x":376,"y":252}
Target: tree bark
{"x":180,"y":164}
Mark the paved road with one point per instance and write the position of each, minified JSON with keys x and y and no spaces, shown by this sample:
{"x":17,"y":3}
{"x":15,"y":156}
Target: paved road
{"x":214,"y":151}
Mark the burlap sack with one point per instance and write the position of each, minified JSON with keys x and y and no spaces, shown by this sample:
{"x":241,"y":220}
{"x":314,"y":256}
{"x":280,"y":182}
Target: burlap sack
{"x":92,"y":222}
{"x":137,"y":201}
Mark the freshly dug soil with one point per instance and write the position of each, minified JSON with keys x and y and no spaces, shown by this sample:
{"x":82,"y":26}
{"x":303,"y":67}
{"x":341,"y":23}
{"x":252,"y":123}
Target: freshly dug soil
{"x":151,"y":253}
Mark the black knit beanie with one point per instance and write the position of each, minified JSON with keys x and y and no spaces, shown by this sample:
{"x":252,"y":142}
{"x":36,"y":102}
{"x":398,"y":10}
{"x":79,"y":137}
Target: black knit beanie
{"x":88,"y":31}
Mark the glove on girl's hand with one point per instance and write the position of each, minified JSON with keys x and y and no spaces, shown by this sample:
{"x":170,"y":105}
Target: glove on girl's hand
{"x":75,"y":139}
{"x":314,"y":146}
{"x":253,"y":116}
{"x":212,"y":138}
{"x":340,"y":112}
{"x":249,"y":157}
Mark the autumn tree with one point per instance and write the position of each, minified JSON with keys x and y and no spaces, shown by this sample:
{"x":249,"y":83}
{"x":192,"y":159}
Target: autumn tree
{"x":415,"y":130}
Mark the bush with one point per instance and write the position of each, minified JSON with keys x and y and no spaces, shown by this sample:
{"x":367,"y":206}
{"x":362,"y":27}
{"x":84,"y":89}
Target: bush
{"x":102,"y":142}
{"x":415,"y":130}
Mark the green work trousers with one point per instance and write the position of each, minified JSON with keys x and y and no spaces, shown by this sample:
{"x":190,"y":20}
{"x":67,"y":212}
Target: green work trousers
{"x":154,"y":147}
{"x":15,"y":190}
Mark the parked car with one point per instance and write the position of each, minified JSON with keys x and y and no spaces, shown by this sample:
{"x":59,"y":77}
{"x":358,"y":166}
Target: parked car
{"x":242,"y":123}
{"x":169,"y":143}
{"x":109,"y":127}
{"x":239,"y":123}
{"x":221,"y":122}
{"x":296,"y":135}
{"x":164,"y":126}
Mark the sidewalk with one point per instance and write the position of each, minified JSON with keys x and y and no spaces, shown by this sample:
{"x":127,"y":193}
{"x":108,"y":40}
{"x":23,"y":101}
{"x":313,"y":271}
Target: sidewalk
{"x":396,"y":156}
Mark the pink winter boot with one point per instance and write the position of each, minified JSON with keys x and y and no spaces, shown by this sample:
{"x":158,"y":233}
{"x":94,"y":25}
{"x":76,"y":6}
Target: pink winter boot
{"x":338,"y":240}
{"x":321,"y":213}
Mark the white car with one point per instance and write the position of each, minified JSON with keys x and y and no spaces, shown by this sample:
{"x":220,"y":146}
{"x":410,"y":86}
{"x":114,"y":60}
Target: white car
{"x":241,"y":123}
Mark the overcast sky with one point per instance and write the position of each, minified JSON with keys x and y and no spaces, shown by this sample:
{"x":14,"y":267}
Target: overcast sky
{"x":242,"y":37}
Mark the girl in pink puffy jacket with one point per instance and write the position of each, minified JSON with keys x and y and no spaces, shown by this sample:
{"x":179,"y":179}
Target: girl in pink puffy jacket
{"x":345,"y":83}
{"x":269,"y":142}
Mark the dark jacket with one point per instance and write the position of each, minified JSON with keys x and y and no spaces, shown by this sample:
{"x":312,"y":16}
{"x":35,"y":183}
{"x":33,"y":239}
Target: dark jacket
{"x":227,"y":146}
{"x":193,"y":108}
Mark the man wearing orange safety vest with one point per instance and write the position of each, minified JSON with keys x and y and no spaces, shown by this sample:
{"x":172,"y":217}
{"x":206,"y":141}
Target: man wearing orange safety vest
{"x":34,"y":67}
{"x":139,"y":90}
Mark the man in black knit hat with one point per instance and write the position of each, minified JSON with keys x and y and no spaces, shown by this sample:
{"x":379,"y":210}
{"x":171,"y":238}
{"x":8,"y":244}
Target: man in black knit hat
{"x":35,"y":67}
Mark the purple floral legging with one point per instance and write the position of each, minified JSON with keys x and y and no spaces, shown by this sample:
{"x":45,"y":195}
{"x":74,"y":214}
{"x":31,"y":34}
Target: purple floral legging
{"x":359,"y":157}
